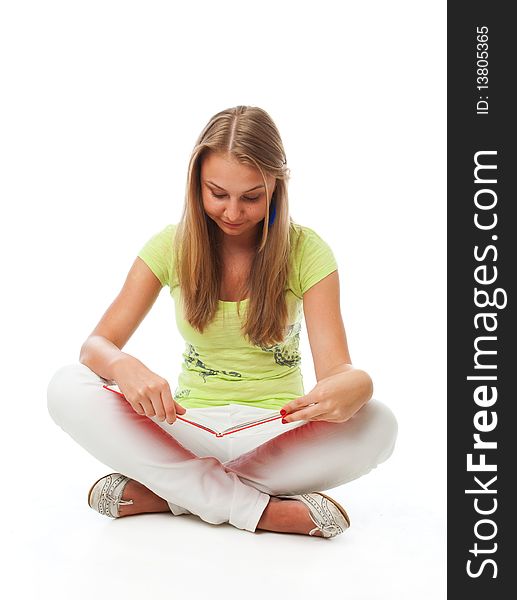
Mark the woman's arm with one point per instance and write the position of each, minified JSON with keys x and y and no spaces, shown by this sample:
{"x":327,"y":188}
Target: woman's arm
{"x":341,"y":389}
{"x":102,"y":350}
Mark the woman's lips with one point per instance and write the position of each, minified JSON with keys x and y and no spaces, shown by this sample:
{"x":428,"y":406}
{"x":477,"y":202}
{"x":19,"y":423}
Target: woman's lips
{"x":232,"y":224}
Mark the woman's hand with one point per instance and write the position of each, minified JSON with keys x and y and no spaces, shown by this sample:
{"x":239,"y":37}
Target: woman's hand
{"x":335,"y":398}
{"x":147,"y":393}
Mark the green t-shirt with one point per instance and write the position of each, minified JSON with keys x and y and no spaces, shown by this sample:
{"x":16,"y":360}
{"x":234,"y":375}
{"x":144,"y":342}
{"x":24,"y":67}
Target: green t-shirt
{"x":220,"y":366}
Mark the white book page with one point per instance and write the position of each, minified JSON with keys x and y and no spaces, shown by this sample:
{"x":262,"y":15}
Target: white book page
{"x":268,"y":417}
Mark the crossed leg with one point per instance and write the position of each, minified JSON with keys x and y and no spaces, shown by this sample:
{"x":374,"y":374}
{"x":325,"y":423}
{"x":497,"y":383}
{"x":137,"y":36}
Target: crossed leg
{"x":319,"y":455}
{"x":315,"y":455}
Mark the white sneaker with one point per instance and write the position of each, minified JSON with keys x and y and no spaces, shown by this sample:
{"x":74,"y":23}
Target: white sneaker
{"x":328,"y":515}
{"x":105,"y":495}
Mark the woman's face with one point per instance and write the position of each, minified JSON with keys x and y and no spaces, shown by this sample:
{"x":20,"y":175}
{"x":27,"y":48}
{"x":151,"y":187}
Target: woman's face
{"x":233,"y":193}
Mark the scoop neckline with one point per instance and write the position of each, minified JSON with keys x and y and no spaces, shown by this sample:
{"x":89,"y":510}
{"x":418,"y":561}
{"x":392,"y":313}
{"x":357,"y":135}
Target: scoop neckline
{"x":232,"y":301}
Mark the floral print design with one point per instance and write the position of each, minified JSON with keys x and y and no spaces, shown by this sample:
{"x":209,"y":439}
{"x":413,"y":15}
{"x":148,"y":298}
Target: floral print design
{"x":181,"y":393}
{"x":286,"y":353}
{"x":192,"y":359}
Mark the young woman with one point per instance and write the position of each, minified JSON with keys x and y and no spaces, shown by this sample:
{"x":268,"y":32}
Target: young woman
{"x":241,"y":274}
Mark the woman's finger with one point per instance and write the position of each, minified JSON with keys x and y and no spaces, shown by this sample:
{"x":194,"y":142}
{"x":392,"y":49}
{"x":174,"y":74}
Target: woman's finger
{"x":138,"y":408}
{"x":155,"y":402}
{"x":314,"y":412}
{"x":168,"y":404}
{"x":148,"y":407}
{"x":298,"y":403}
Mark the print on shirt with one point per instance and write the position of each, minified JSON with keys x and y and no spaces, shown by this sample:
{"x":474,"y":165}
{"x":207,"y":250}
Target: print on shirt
{"x":193,"y":359}
{"x":286,"y":353}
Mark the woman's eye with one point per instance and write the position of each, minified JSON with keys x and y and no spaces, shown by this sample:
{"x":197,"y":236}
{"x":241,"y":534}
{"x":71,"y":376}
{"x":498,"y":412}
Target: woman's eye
{"x":251,"y":199}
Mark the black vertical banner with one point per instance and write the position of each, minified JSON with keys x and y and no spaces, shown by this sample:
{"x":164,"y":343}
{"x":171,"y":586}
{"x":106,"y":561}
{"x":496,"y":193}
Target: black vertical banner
{"x":482,"y":256}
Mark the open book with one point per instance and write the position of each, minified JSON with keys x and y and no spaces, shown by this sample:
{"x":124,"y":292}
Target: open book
{"x":246,"y":425}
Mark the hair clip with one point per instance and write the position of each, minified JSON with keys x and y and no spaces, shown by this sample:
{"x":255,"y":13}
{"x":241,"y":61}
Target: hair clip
{"x":272,"y":214}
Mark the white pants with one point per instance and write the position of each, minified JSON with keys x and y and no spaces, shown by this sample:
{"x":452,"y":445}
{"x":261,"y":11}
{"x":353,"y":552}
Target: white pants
{"x":221,"y":480}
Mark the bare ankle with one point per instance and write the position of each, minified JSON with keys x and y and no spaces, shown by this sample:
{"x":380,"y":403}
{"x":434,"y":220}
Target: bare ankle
{"x":286,"y":516}
{"x":144,"y":500}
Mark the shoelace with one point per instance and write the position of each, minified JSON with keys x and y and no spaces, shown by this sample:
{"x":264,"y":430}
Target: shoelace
{"x":332,"y":530}
{"x":117,"y":501}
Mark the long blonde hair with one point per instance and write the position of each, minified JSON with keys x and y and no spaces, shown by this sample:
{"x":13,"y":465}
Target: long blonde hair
{"x":249,"y":135}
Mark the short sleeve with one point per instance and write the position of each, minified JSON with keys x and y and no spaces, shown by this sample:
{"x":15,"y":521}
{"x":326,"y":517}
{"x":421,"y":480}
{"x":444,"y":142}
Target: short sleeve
{"x":316,"y":260}
{"x":157,"y":254}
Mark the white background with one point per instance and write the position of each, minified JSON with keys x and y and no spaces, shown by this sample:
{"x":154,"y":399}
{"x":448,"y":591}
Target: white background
{"x":101,"y":104}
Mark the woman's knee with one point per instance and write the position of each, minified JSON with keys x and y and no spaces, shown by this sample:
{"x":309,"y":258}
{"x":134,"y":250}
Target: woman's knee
{"x":62,"y":388}
{"x":383,"y":428}
{"x":368,"y":440}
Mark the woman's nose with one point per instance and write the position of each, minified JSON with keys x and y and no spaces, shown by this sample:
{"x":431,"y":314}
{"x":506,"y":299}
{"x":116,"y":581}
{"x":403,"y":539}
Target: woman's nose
{"x":232,"y":211}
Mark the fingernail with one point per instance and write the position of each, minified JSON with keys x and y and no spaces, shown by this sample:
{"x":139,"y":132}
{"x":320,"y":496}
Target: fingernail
{"x":284,"y":421}
{"x":283,"y":412}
